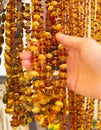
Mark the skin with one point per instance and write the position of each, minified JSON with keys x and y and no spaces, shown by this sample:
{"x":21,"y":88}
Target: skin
{"x":83,"y":64}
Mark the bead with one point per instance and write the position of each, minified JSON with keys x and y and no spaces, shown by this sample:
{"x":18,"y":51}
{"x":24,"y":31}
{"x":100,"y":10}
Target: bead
{"x":55,"y":73}
{"x":63,"y":66}
{"x":57,"y":27}
{"x":36,"y":110}
{"x":56,"y":108}
{"x":36,"y":16}
{"x":5,"y":98}
{"x":59,"y":104}
{"x":9,"y":110}
{"x":50,"y":8}
{"x":35,"y":25}
{"x":33,"y":48}
{"x":41,"y":57}
{"x":49,"y":55}
{"x":48,"y":67}
{"x":54,"y":3}
{"x":34,"y":73}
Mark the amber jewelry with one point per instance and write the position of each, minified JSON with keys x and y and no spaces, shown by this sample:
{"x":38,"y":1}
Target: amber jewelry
{"x":2,"y":22}
{"x":57,"y":66}
{"x":15,"y":78}
{"x":77,"y":26}
{"x":93,"y":18}
{"x":27,"y":17}
{"x":97,"y":21}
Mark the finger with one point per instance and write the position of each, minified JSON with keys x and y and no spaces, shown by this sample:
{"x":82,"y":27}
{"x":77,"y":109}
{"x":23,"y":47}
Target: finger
{"x":71,"y":41}
{"x":25,"y":55}
{"x":27,"y":64}
{"x":28,"y":44}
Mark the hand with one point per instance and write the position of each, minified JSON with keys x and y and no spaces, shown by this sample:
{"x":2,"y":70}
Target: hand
{"x":83,"y":64}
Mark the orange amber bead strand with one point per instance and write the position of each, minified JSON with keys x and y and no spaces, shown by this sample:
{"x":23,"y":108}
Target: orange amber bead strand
{"x":19,"y":115}
{"x":90,"y":112}
{"x":2,"y":22}
{"x":70,"y":93}
{"x":99,"y":114}
{"x":27,"y":17}
{"x":98,"y":24}
{"x":55,"y":19}
{"x":8,"y":63}
{"x":63,"y":68}
{"x":93,"y":18}
{"x":15,"y":73}
{"x":38,"y":60}
{"x":81,"y":99}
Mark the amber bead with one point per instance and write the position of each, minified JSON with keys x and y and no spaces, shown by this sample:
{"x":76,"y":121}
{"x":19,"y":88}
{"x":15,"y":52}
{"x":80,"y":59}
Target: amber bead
{"x":9,"y":110}
{"x":5,"y":98}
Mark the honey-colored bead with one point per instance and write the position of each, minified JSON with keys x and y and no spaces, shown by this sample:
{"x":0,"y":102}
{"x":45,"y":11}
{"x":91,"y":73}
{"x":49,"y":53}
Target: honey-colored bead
{"x":29,"y":120}
{"x":27,"y":35}
{"x":47,"y":35}
{"x":49,"y":55}
{"x":56,"y":108}
{"x":8,"y":24}
{"x":28,"y":23}
{"x":41,"y":57}
{"x":26,"y":14}
{"x":57,"y":27}
{"x":22,"y":97}
{"x":49,"y":75}
{"x":34,"y":73}
{"x":21,"y":79}
{"x":62,"y":74}
{"x":34,"y":40}
{"x":50,"y":8}
{"x":48,"y":67}
{"x":36,"y":110}
{"x":29,"y":99}
{"x":44,"y":101}
{"x":8,"y":32}
{"x":36,"y":83}
{"x":59,"y":104}
{"x":63,"y":66}
{"x":9,"y":110}
{"x":33,"y":48}
{"x":36,"y":16}
{"x":10,"y":101}
{"x":35,"y":25}
{"x":28,"y":90}
{"x":54,"y":3}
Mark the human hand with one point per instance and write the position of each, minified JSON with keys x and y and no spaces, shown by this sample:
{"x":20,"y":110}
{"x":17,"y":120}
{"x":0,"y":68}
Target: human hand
{"x":83,"y":64}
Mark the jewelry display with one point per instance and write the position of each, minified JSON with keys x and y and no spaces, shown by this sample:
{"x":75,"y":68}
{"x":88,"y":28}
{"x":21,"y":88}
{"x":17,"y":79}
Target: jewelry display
{"x":40,"y":93}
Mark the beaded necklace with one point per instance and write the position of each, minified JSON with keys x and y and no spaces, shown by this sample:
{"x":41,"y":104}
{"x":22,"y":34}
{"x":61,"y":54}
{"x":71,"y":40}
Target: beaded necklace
{"x":2,"y":21}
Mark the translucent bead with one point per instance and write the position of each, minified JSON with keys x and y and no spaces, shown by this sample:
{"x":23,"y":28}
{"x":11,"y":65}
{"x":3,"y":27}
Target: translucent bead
{"x":36,"y":110}
{"x":59,"y":104}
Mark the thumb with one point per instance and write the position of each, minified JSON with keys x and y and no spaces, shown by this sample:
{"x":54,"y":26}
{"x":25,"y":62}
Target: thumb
{"x":71,"y":41}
